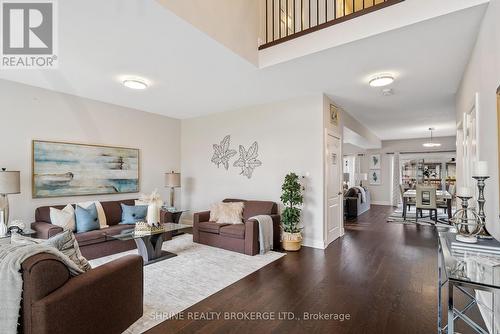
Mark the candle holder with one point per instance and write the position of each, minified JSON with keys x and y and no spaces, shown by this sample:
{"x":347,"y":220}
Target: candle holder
{"x":467,"y":222}
{"x":483,"y":234}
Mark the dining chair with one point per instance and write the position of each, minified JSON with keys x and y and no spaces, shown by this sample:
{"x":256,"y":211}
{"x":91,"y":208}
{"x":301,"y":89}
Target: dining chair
{"x":409,"y":201}
{"x":442,"y":203}
{"x":426,"y":200}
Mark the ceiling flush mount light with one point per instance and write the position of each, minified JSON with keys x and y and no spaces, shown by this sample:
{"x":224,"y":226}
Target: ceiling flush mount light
{"x":381,"y":80}
{"x":387,"y":91}
{"x":138,"y":84}
{"x":431,"y":143}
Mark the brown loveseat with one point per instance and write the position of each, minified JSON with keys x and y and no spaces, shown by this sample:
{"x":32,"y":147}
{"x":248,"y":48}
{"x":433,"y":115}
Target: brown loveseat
{"x":98,"y":243}
{"x":107,"y":299}
{"x":242,"y":238}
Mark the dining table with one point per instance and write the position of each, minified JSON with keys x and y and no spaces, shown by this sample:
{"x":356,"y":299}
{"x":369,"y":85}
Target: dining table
{"x":441,"y":195}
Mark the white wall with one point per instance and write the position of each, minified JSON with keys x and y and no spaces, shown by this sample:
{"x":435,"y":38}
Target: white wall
{"x":290,"y":138}
{"x":29,"y":113}
{"x":483,"y":76}
{"x":233,"y":23}
{"x":359,"y":135}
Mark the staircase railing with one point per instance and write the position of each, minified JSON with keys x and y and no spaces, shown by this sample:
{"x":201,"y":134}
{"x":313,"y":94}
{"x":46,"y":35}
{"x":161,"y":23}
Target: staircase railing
{"x":288,"y":19}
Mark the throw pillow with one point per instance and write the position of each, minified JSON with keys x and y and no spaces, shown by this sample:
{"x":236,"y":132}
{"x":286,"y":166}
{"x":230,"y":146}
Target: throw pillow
{"x":65,"y":242}
{"x":230,"y":213}
{"x":86,"y":219}
{"x":100,"y":212}
{"x":154,"y":208}
{"x":64,"y":218}
{"x":214,"y":212}
{"x":132,"y":214}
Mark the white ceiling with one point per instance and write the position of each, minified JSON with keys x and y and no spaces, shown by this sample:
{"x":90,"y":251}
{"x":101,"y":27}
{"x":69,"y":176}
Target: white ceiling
{"x":192,"y":75}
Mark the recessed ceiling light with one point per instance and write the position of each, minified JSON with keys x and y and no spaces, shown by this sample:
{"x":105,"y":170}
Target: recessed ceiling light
{"x":135,"y":84}
{"x":431,"y":143}
{"x":381,"y":80}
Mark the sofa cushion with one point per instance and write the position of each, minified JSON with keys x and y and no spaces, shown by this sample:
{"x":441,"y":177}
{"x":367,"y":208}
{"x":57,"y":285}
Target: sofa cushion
{"x":87,"y":219}
{"x":113,"y":210}
{"x":210,"y":227}
{"x":90,"y":238}
{"x":254,"y":208}
{"x":64,"y":218}
{"x":132,"y":214}
{"x":233,"y":231}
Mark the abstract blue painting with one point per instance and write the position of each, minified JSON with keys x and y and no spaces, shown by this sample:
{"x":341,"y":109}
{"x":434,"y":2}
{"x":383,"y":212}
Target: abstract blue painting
{"x":66,"y":169}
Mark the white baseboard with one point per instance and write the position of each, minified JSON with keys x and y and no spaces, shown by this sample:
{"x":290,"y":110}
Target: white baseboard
{"x":381,"y":203}
{"x":313,"y":243}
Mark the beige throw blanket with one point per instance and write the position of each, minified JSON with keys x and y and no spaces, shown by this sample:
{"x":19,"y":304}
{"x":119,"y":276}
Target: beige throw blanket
{"x":265,"y":232}
{"x":11,"y":280}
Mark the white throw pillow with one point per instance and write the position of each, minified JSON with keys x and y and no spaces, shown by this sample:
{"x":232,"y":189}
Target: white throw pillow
{"x":228,"y":213}
{"x":64,"y":218}
{"x":214,"y":212}
{"x":100,"y":212}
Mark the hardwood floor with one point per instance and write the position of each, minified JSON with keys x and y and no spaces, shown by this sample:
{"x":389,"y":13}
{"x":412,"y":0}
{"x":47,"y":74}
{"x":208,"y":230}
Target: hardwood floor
{"x":383,"y":275}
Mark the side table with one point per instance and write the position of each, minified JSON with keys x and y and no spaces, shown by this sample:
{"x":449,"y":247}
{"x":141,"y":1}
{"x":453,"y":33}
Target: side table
{"x":176,"y":217}
{"x":26,"y":232}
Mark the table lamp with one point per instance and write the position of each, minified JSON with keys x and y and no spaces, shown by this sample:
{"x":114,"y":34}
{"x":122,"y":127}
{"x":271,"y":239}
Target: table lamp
{"x":172,"y":181}
{"x":361,"y":177}
{"x":9,"y":184}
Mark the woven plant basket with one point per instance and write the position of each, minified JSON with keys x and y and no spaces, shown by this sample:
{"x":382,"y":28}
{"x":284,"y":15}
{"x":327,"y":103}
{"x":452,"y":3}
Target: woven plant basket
{"x":292,"y":241}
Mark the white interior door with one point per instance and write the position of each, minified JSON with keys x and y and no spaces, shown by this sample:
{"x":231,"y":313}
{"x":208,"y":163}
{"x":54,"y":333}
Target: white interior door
{"x":333,"y":189}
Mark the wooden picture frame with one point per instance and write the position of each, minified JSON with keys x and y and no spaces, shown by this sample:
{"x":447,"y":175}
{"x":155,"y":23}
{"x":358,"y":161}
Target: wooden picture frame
{"x":334,"y":115}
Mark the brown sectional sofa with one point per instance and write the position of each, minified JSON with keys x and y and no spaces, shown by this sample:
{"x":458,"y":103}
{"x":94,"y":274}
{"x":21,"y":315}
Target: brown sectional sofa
{"x":242,"y":238}
{"x":98,"y":243}
{"x":104,"y":300}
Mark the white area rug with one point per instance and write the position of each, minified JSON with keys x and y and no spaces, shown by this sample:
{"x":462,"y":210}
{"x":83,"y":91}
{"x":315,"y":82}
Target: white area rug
{"x":198,"y":271}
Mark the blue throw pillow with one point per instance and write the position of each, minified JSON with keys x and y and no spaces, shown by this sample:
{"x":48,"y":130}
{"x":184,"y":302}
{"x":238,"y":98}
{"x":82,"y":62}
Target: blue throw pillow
{"x":86,"y":219}
{"x":131,"y":214}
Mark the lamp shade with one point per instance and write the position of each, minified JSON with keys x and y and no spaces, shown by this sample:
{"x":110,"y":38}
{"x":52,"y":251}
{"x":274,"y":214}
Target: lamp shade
{"x":361,"y":176}
{"x":10,"y":182}
{"x":172,"y":180}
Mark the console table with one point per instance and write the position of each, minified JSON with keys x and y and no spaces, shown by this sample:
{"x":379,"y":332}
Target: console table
{"x":462,"y":269}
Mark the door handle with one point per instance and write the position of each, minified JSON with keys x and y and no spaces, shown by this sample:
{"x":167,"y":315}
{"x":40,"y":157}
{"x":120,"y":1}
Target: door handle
{"x":340,"y":193}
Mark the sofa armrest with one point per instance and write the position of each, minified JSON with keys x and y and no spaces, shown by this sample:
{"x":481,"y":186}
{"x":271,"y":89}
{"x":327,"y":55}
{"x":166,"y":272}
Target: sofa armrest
{"x":199,"y":217}
{"x":252,"y":235}
{"x":45,"y":230}
{"x":166,"y":217}
{"x":111,"y":296}
{"x":351,"y":206}
{"x":203,"y":216}
{"x":276,"y":231}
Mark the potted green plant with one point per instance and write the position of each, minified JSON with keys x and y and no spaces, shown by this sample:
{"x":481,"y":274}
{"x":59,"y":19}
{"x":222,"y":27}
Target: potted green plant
{"x":292,"y":199}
